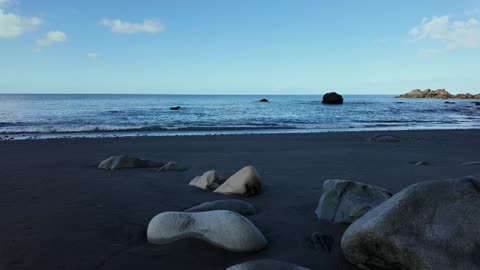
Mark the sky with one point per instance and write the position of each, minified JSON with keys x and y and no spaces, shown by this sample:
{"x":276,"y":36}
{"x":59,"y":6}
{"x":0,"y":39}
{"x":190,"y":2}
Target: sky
{"x":239,"y":46}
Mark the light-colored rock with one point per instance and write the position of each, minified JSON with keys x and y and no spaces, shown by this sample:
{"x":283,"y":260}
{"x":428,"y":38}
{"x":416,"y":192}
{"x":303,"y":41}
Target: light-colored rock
{"x":266,"y":265}
{"x":210,"y":180}
{"x":123,"y":162}
{"x":172,"y":167}
{"x":245,"y":182}
{"x":430,"y":225}
{"x":238,"y":206}
{"x":225,"y":229}
{"x":344,"y":201}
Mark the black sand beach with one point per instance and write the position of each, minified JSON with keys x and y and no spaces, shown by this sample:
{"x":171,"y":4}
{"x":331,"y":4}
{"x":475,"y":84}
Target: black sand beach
{"x":60,"y":212}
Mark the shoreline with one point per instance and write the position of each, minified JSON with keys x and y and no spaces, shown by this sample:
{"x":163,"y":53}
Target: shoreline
{"x":240,"y":132}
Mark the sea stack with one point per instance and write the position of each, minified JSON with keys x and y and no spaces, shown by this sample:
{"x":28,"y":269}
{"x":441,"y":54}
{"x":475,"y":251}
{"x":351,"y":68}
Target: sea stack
{"x":332,"y":98}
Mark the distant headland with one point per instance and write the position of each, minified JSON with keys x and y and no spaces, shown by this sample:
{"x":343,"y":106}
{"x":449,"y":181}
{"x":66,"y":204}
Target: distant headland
{"x":440,"y":93}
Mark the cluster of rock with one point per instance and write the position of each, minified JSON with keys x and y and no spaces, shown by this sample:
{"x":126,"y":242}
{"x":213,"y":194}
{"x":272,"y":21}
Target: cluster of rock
{"x":430,"y":225}
{"x":244,"y":182}
{"x":440,"y":93}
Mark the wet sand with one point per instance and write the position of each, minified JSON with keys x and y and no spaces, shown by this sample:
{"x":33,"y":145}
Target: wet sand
{"x":60,"y":212}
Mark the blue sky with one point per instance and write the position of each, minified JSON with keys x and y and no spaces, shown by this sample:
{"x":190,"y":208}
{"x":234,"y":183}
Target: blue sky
{"x":239,"y":46}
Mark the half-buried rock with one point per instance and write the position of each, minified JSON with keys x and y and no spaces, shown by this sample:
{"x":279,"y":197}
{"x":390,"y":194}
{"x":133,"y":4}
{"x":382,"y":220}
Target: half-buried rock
{"x":344,"y":201}
{"x":210,"y":180}
{"x":238,"y":206}
{"x":172,"y":167}
{"x":124,"y":162}
{"x":225,"y":229}
{"x":266,"y":265}
{"x":245,"y":182}
{"x":430,"y":225}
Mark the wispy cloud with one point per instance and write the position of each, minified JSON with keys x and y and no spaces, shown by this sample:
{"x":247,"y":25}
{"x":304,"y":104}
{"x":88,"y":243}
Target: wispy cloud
{"x":14,"y":25}
{"x":120,"y":27}
{"x":52,"y":37}
{"x":92,"y":56}
{"x":453,"y":34}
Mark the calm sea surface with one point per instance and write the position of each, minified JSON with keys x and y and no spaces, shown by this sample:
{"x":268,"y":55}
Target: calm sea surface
{"x":45,"y":116}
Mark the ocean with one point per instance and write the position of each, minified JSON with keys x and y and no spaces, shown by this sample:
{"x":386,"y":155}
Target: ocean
{"x":51,"y":115}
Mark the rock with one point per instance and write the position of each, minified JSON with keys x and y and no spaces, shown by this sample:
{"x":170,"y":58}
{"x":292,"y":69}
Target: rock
{"x":385,"y":138}
{"x":344,"y":201}
{"x":429,"y":225}
{"x":225,"y":229}
{"x":321,"y":241}
{"x":263,"y":100}
{"x":245,"y":182}
{"x":210,"y":180}
{"x":440,"y":93}
{"x":176,"y":108}
{"x":266,"y":265}
{"x":449,"y":102}
{"x":332,"y":98}
{"x":172,"y":167}
{"x":477,"y":103}
{"x":471,"y":163}
{"x":123,"y":162}
{"x":420,"y":163}
{"x":238,"y":206}
{"x":464,"y":96}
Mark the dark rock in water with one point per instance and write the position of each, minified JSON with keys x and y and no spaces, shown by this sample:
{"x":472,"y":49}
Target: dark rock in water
{"x":477,"y":103}
{"x":263,"y":100}
{"x":238,"y":206}
{"x":172,"y":167}
{"x":449,"y":102}
{"x":266,"y":265}
{"x":124,"y":162}
{"x":176,"y":108}
{"x":429,"y":225}
{"x":320,"y":241}
{"x":332,"y":98}
{"x":344,"y":201}
{"x":385,"y":138}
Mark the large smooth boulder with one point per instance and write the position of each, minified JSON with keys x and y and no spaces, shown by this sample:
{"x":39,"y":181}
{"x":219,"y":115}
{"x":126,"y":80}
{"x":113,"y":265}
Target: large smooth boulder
{"x":430,"y":225}
{"x":238,"y":206}
{"x":210,"y":180}
{"x":344,"y":201}
{"x":266,"y":265}
{"x":245,"y":182}
{"x":123,"y":162}
{"x":332,"y":98}
{"x":225,"y":229}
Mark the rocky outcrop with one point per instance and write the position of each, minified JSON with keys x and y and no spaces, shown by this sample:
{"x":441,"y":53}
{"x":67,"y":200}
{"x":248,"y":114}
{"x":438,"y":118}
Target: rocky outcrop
{"x":126,"y":162}
{"x":245,"y":182}
{"x":237,"y":206}
{"x":332,"y":98}
{"x":263,"y":100}
{"x":210,"y":180}
{"x":225,"y":229}
{"x":440,"y":93}
{"x":430,"y":225}
{"x":266,"y":265}
{"x":344,"y":201}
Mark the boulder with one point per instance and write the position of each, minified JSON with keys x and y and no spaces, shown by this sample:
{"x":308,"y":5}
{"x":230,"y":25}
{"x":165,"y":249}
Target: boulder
{"x":176,"y":108}
{"x":429,"y":225}
{"x":210,"y":180}
{"x":123,"y":162}
{"x":332,"y":98}
{"x":266,"y":265}
{"x":344,"y":201}
{"x":245,"y":182}
{"x":263,"y":100}
{"x":225,"y":229}
{"x":172,"y":167}
{"x":238,"y":206}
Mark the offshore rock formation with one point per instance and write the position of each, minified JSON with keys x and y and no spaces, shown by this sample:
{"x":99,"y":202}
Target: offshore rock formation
{"x":440,"y":93}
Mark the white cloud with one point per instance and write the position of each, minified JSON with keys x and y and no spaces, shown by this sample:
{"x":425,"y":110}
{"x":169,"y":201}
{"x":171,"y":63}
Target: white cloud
{"x":119,"y":27}
{"x":92,"y":56}
{"x":51,"y":38}
{"x":472,"y":12}
{"x":13,"y":25}
{"x":454,"y":34}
